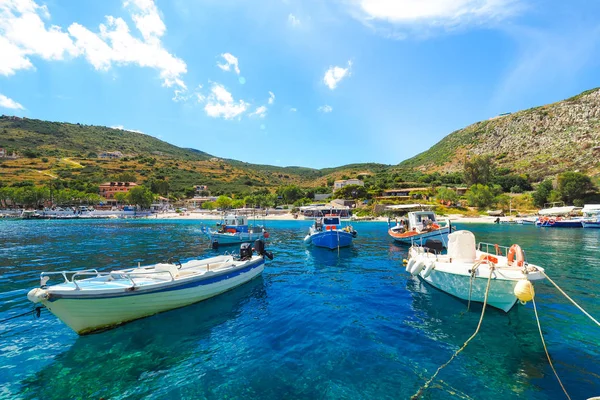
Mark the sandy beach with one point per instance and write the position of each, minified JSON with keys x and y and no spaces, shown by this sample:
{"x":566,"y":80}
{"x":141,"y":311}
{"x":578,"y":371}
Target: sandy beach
{"x":290,"y":217}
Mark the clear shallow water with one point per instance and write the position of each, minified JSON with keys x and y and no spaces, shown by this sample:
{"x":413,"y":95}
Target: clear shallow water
{"x":315,"y":325}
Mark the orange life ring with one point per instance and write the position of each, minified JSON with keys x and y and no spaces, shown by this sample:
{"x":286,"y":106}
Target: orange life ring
{"x":551,"y":221}
{"x":231,"y":230}
{"x":515,"y":251}
{"x":487,"y":257}
{"x":435,"y":226}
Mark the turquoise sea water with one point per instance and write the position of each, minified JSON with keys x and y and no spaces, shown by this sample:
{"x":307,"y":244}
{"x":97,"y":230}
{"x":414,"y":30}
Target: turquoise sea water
{"x":316,"y":325}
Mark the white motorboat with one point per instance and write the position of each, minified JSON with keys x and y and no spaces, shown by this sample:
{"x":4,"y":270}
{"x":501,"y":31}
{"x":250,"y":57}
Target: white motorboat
{"x":591,"y":216}
{"x":89,"y":300}
{"x":234,"y":229}
{"x":465,"y":269}
{"x":418,"y":226}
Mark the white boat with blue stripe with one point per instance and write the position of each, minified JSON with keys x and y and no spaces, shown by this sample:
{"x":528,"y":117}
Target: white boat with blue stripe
{"x":234,"y":230}
{"x":89,"y":301}
{"x":327,"y":232}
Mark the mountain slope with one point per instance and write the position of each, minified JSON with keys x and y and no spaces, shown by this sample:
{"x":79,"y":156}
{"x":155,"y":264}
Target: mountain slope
{"x":541,"y":141}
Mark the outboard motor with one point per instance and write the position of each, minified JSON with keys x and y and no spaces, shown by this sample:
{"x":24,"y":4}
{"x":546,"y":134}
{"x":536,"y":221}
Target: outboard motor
{"x":245,"y":251}
{"x":434,"y":246}
{"x":259,"y":247}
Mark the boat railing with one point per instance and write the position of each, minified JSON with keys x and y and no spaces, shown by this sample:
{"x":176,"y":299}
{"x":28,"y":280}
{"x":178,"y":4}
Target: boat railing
{"x":65,"y":273}
{"x":498,"y":250}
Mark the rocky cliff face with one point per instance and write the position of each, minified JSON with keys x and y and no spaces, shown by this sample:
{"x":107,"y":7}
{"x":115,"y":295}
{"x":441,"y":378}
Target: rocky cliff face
{"x":541,"y":141}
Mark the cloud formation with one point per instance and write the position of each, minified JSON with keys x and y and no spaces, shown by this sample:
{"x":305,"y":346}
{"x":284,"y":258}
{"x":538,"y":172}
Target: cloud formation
{"x":414,"y":15}
{"x":230,"y":61}
{"x":5,"y":102}
{"x":260,"y":112}
{"x":293,"y":20}
{"x":220,"y":103}
{"x":23,"y":33}
{"x":271,"y":97}
{"x":334,"y":75}
{"x":325,"y":109}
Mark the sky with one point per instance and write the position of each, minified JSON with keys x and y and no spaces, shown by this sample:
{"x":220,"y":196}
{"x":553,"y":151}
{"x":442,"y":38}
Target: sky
{"x":313,"y":83}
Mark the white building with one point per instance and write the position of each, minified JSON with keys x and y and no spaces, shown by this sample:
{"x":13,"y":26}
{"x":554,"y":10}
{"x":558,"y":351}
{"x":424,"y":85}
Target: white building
{"x":345,"y":182}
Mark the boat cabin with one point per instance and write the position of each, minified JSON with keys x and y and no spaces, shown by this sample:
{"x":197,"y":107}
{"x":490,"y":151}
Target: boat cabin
{"x":235,"y":223}
{"x":419,"y":221}
{"x":329,"y":222}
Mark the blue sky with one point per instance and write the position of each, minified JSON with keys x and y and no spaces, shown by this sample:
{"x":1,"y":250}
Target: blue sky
{"x":313,"y":83}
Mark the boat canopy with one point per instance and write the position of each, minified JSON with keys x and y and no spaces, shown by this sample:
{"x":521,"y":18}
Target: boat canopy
{"x":405,"y":207}
{"x":559,"y":210}
{"x":591,"y":209}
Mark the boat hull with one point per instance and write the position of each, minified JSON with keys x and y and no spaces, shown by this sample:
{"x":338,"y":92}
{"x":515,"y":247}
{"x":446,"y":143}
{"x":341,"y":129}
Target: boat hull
{"x":90,"y":314}
{"x":420,"y":238}
{"x":501,"y":294}
{"x":591,"y":224}
{"x":235,"y":238}
{"x":560,"y":224}
{"x":330,"y":239}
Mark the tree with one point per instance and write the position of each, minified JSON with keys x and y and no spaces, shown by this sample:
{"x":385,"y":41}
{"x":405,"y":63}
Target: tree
{"x":126,"y":177}
{"x":237,"y":203}
{"x":351,"y":192}
{"x":140,"y":196}
{"x":445,"y":195}
{"x":574,"y":186}
{"x":121,"y":197}
{"x":480,"y":196}
{"x":223,"y":202}
{"x":542,"y":193}
{"x":208,"y":205}
{"x":479,"y":170}
{"x":290,"y":193}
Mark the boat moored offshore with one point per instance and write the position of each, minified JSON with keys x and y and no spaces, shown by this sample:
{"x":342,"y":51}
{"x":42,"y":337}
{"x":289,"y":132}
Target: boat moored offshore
{"x":328,"y":232}
{"x":466,"y":268}
{"x":234,"y":230}
{"x":418,"y":226}
{"x":88,"y":300}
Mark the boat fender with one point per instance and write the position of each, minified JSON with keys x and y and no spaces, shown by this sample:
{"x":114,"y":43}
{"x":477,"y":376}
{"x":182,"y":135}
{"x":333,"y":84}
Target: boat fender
{"x":524,"y":290}
{"x":410,"y":264}
{"x":419,"y":265}
{"x":37,"y":295}
{"x":428,"y":268}
{"x":266,"y":234}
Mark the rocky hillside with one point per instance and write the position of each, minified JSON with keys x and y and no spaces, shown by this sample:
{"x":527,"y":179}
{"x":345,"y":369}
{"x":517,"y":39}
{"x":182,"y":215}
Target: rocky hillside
{"x":541,"y":141}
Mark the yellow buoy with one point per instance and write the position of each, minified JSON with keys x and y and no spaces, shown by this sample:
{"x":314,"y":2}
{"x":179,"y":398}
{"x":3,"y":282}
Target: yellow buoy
{"x":405,"y":261}
{"x":524,"y":290}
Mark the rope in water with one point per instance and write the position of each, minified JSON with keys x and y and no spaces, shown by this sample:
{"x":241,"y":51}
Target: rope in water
{"x":546,"y":350}
{"x":36,"y":310}
{"x":426,"y":385}
{"x":473,"y":271}
{"x":571,"y":300}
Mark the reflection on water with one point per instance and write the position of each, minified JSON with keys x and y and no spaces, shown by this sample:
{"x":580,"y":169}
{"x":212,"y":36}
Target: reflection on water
{"x":318,"y":324}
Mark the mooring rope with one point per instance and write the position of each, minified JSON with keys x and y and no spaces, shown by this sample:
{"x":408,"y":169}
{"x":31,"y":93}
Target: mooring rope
{"x":473,"y":270}
{"x":546,"y":349}
{"x":36,"y":310}
{"x":571,"y":300}
{"x":426,"y":385}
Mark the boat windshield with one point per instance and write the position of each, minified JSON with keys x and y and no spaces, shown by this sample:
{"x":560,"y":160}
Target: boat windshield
{"x":331,"y":221}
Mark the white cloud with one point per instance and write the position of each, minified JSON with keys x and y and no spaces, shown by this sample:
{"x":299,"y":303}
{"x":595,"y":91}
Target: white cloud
{"x":5,"y":102}
{"x":271,"y":97}
{"x":259,"y":112}
{"x":293,"y":20}
{"x":125,"y":129}
{"x":416,"y":14}
{"x":220,"y":103}
{"x":293,"y":109}
{"x":334,"y":75}
{"x":325,"y":109}
{"x":230,"y":61}
{"x":23,"y":33}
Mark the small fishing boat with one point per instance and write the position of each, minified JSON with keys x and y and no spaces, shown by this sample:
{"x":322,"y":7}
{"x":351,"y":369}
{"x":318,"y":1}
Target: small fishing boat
{"x":591,"y":216}
{"x":559,"y":222}
{"x":464,"y":271}
{"x":234,"y":230}
{"x":328,"y":232}
{"x":418,"y":226}
{"x":88,"y":300}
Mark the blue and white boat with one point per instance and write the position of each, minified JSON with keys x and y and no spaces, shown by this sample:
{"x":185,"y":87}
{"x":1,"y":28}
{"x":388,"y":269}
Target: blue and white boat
{"x":234,"y":230}
{"x":328,"y":232}
{"x":559,"y":216}
{"x":591,"y":216}
{"x":88,"y":300}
